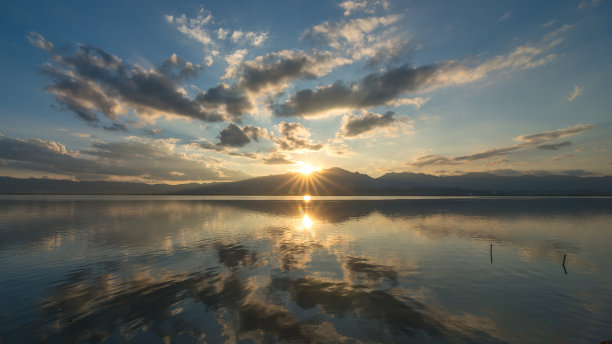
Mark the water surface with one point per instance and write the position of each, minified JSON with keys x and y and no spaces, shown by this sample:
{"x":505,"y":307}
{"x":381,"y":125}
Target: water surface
{"x":187,"y":269}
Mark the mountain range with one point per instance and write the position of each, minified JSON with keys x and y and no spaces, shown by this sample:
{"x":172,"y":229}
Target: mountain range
{"x":334,"y":181}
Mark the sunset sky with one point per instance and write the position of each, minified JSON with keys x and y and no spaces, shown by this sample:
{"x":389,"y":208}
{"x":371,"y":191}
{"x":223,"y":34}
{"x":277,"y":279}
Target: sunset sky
{"x":189,"y":91}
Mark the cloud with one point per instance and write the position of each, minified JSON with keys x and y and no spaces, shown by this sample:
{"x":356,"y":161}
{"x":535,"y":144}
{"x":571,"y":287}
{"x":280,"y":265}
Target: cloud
{"x":235,"y":137}
{"x":539,"y":140}
{"x":294,"y":136}
{"x":91,"y":81}
{"x":427,"y":160}
{"x":350,"y":6}
{"x":587,"y":4}
{"x":351,"y":32}
{"x":554,"y":146}
{"x":499,"y":161}
{"x":142,"y":160}
{"x":505,"y":16}
{"x":273,"y":71}
{"x":39,"y":41}
{"x":576,"y":92}
{"x":194,"y":27}
{"x":369,"y":122}
{"x":203,"y":29}
{"x":277,"y":159}
{"x":227,"y":99}
{"x":560,"y":157}
{"x":177,"y":68}
{"x":376,"y":38}
{"x":382,"y":88}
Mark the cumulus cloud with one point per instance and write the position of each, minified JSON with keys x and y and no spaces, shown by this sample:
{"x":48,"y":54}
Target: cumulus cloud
{"x":576,"y":92}
{"x":369,"y":122}
{"x":539,"y":140}
{"x":91,"y":81}
{"x":234,"y":136}
{"x":143,"y":160}
{"x":294,"y":136}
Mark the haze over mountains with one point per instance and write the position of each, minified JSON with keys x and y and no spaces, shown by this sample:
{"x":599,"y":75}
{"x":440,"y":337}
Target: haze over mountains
{"x":334,"y":181}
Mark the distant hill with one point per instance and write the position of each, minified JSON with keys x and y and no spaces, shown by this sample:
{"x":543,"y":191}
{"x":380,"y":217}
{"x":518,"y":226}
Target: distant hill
{"x":334,"y":181}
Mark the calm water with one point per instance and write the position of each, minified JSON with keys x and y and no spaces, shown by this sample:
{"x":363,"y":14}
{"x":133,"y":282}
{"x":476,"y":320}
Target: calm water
{"x":253,"y":270}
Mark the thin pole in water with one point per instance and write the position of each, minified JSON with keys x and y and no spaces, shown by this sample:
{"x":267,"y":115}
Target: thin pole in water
{"x":564,"y":256}
{"x":491,"y":251}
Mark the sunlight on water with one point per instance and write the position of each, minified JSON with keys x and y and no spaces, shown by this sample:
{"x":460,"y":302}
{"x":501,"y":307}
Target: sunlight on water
{"x":306,"y":221}
{"x":427,"y":270}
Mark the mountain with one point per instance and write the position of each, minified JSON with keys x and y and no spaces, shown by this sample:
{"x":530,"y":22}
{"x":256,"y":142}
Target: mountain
{"x":483,"y":183}
{"x":334,"y":181}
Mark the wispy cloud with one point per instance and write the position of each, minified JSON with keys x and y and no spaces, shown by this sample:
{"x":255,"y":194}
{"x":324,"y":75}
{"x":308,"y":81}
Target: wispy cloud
{"x":539,"y":140}
{"x":505,"y":16}
{"x":576,"y":92}
{"x":586,"y":4}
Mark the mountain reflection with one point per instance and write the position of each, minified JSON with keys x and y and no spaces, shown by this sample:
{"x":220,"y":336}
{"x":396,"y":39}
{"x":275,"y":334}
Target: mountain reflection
{"x":293,"y":271}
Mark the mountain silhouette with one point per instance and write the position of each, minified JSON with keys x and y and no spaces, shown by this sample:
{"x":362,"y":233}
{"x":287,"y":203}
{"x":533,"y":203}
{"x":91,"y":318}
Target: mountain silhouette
{"x":334,"y":182}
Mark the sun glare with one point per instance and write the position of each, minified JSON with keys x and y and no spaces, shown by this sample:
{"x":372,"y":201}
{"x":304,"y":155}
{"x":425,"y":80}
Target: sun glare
{"x":306,"y":169}
{"x":307,"y":222}
{"x":306,"y":198}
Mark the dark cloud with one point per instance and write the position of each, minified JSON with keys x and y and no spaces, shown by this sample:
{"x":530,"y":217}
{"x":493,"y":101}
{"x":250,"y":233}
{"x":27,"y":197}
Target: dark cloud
{"x":275,"y":69}
{"x":233,"y":136}
{"x":356,"y":125}
{"x":153,"y":160}
{"x":115,"y":127}
{"x":91,"y":81}
{"x":554,"y":146}
{"x":231,"y":99}
{"x":294,"y":136}
{"x":373,"y":90}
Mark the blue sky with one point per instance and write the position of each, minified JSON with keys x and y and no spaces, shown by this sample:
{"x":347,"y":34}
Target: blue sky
{"x":217,"y":91}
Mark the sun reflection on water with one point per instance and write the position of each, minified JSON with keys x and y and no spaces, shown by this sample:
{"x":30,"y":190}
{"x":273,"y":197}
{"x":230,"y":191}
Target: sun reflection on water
{"x":306,"y":221}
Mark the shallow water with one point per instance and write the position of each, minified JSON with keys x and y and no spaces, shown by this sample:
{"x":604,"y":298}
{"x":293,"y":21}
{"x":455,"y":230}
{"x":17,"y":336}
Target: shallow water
{"x":260,"y":269}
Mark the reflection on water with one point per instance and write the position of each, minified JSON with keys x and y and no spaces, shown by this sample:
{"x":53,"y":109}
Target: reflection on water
{"x":429,"y":270}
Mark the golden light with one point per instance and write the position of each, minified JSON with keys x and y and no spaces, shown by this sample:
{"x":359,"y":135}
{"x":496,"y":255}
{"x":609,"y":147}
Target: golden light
{"x":306,"y":169}
{"x":306,"y":221}
{"x":306,"y":198}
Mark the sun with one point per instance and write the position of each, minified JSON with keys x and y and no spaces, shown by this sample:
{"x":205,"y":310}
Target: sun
{"x":306,"y":169}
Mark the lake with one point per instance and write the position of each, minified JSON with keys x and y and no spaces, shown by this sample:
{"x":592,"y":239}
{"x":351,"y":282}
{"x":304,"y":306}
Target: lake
{"x":161,"y":269}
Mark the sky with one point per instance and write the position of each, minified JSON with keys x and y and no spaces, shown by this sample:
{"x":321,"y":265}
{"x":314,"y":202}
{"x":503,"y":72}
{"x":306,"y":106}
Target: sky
{"x":185,"y":91}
